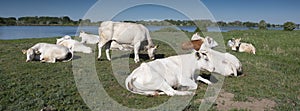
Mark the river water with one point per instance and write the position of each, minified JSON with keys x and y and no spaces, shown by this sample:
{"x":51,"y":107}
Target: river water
{"x":22,"y":32}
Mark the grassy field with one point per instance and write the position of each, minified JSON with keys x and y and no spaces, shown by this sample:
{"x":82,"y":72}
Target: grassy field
{"x":273,"y":73}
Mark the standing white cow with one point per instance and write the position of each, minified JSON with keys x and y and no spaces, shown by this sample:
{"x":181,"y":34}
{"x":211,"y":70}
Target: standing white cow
{"x":126,"y":33}
{"x":164,"y":74}
{"x":48,"y":53}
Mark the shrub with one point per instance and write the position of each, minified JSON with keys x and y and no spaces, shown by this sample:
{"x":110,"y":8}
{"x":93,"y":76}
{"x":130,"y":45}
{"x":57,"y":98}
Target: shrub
{"x":289,"y":26}
{"x":262,"y":25}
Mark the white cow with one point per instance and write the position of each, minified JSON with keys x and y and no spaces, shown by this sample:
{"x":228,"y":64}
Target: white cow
{"x":73,"y":45}
{"x":230,"y":43}
{"x":225,"y":63}
{"x":208,"y":41}
{"x":163,"y":74}
{"x":126,"y":33}
{"x":89,"y":38}
{"x":243,"y":47}
{"x":48,"y":53}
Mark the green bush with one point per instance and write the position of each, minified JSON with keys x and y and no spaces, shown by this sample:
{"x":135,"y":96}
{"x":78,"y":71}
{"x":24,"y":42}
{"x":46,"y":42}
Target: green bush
{"x":262,"y":25}
{"x":289,"y":26}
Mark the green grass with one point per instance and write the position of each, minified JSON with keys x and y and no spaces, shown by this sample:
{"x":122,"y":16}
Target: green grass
{"x":273,"y":73}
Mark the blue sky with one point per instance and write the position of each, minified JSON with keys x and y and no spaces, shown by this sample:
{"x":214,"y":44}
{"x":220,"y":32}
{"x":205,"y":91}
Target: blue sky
{"x":272,"y":11}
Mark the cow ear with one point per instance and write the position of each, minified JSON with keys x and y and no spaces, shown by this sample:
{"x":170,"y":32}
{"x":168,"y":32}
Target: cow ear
{"x":24,"y":51}
{"x":208,"y":39}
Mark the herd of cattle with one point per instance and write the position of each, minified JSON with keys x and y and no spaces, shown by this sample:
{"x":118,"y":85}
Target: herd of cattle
{"x":171,"y":76}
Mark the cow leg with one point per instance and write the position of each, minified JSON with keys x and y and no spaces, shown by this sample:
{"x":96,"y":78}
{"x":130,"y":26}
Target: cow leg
{"x":100,"y":45}
{"x":107,"y":54}
{"x":199,"y":78}
{"x":136,"y":50}
{"x":189,"y":83}
{"x":167,"y":89}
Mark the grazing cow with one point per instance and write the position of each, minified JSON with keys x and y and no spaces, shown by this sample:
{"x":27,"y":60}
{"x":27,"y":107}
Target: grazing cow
{"x":162,"y":75}
{"x":208,"y":41}
{"x":130,"y":34}
{"x":89,"y":38}
{"x":243,"y":47}
{"x":48,"y":53}
{"x":225,"y":63}
{"x":73,"y":45}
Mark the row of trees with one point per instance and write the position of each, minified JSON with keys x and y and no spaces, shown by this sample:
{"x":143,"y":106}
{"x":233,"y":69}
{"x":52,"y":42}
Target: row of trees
{"x":65,"y":20}
{"x":43,"y":20}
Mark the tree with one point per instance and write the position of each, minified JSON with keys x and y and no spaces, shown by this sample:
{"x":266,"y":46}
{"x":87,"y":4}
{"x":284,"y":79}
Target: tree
{"x":289,"y":26}
{"x":262,"y":25}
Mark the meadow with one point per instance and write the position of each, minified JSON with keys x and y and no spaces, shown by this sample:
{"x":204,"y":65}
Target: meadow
{"x":273,"y":74}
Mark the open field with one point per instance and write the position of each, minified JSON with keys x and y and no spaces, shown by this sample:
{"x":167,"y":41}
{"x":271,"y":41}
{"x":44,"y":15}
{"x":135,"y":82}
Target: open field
{"x":272,"y":74}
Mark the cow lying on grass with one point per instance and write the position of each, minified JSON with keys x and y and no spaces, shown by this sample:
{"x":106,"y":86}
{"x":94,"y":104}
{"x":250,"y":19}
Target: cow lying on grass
{"x":162,"y":75}
{"x":208,"y":41}
{"x":73,"y":45}
{"x":243,"y":47}
{"x":89,"y":38}
{"x":48,"y":53}
{"x":225,"y":63}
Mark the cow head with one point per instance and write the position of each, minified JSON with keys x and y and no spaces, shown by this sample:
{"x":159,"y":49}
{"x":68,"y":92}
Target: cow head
{"x":210,"y":42}
{"x":30,"y":53}
{"x":151,"y":51}
{"x":203,"y":60}
{"x":66,"y":37}
{"x":82,"y":34}
{"x":196,"y":36}
{"x":237,"y":42}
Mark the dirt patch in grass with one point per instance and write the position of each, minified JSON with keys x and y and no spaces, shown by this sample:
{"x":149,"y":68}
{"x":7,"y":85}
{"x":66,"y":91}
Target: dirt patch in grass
{"x":225,"y":102}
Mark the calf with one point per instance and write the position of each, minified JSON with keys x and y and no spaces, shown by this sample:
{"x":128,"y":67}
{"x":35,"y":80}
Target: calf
{"x":48,"y":53}
{"x":243,"y":47}
{"x":159,"y":76}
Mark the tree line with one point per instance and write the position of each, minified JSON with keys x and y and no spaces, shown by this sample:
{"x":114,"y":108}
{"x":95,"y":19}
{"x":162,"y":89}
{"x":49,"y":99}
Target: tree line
{"x":43,"y":20}
{"x":65,"y":20}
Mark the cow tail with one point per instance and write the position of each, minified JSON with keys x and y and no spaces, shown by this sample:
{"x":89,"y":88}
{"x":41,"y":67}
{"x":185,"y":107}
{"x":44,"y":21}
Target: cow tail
{"x":130,"y":85}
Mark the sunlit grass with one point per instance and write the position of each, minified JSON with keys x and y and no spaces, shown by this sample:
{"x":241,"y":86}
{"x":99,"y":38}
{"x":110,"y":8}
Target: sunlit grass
{"x":272,"y":73}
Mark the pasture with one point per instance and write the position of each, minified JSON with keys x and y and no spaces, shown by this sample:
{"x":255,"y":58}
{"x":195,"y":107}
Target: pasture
{"x":272,"y":74}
